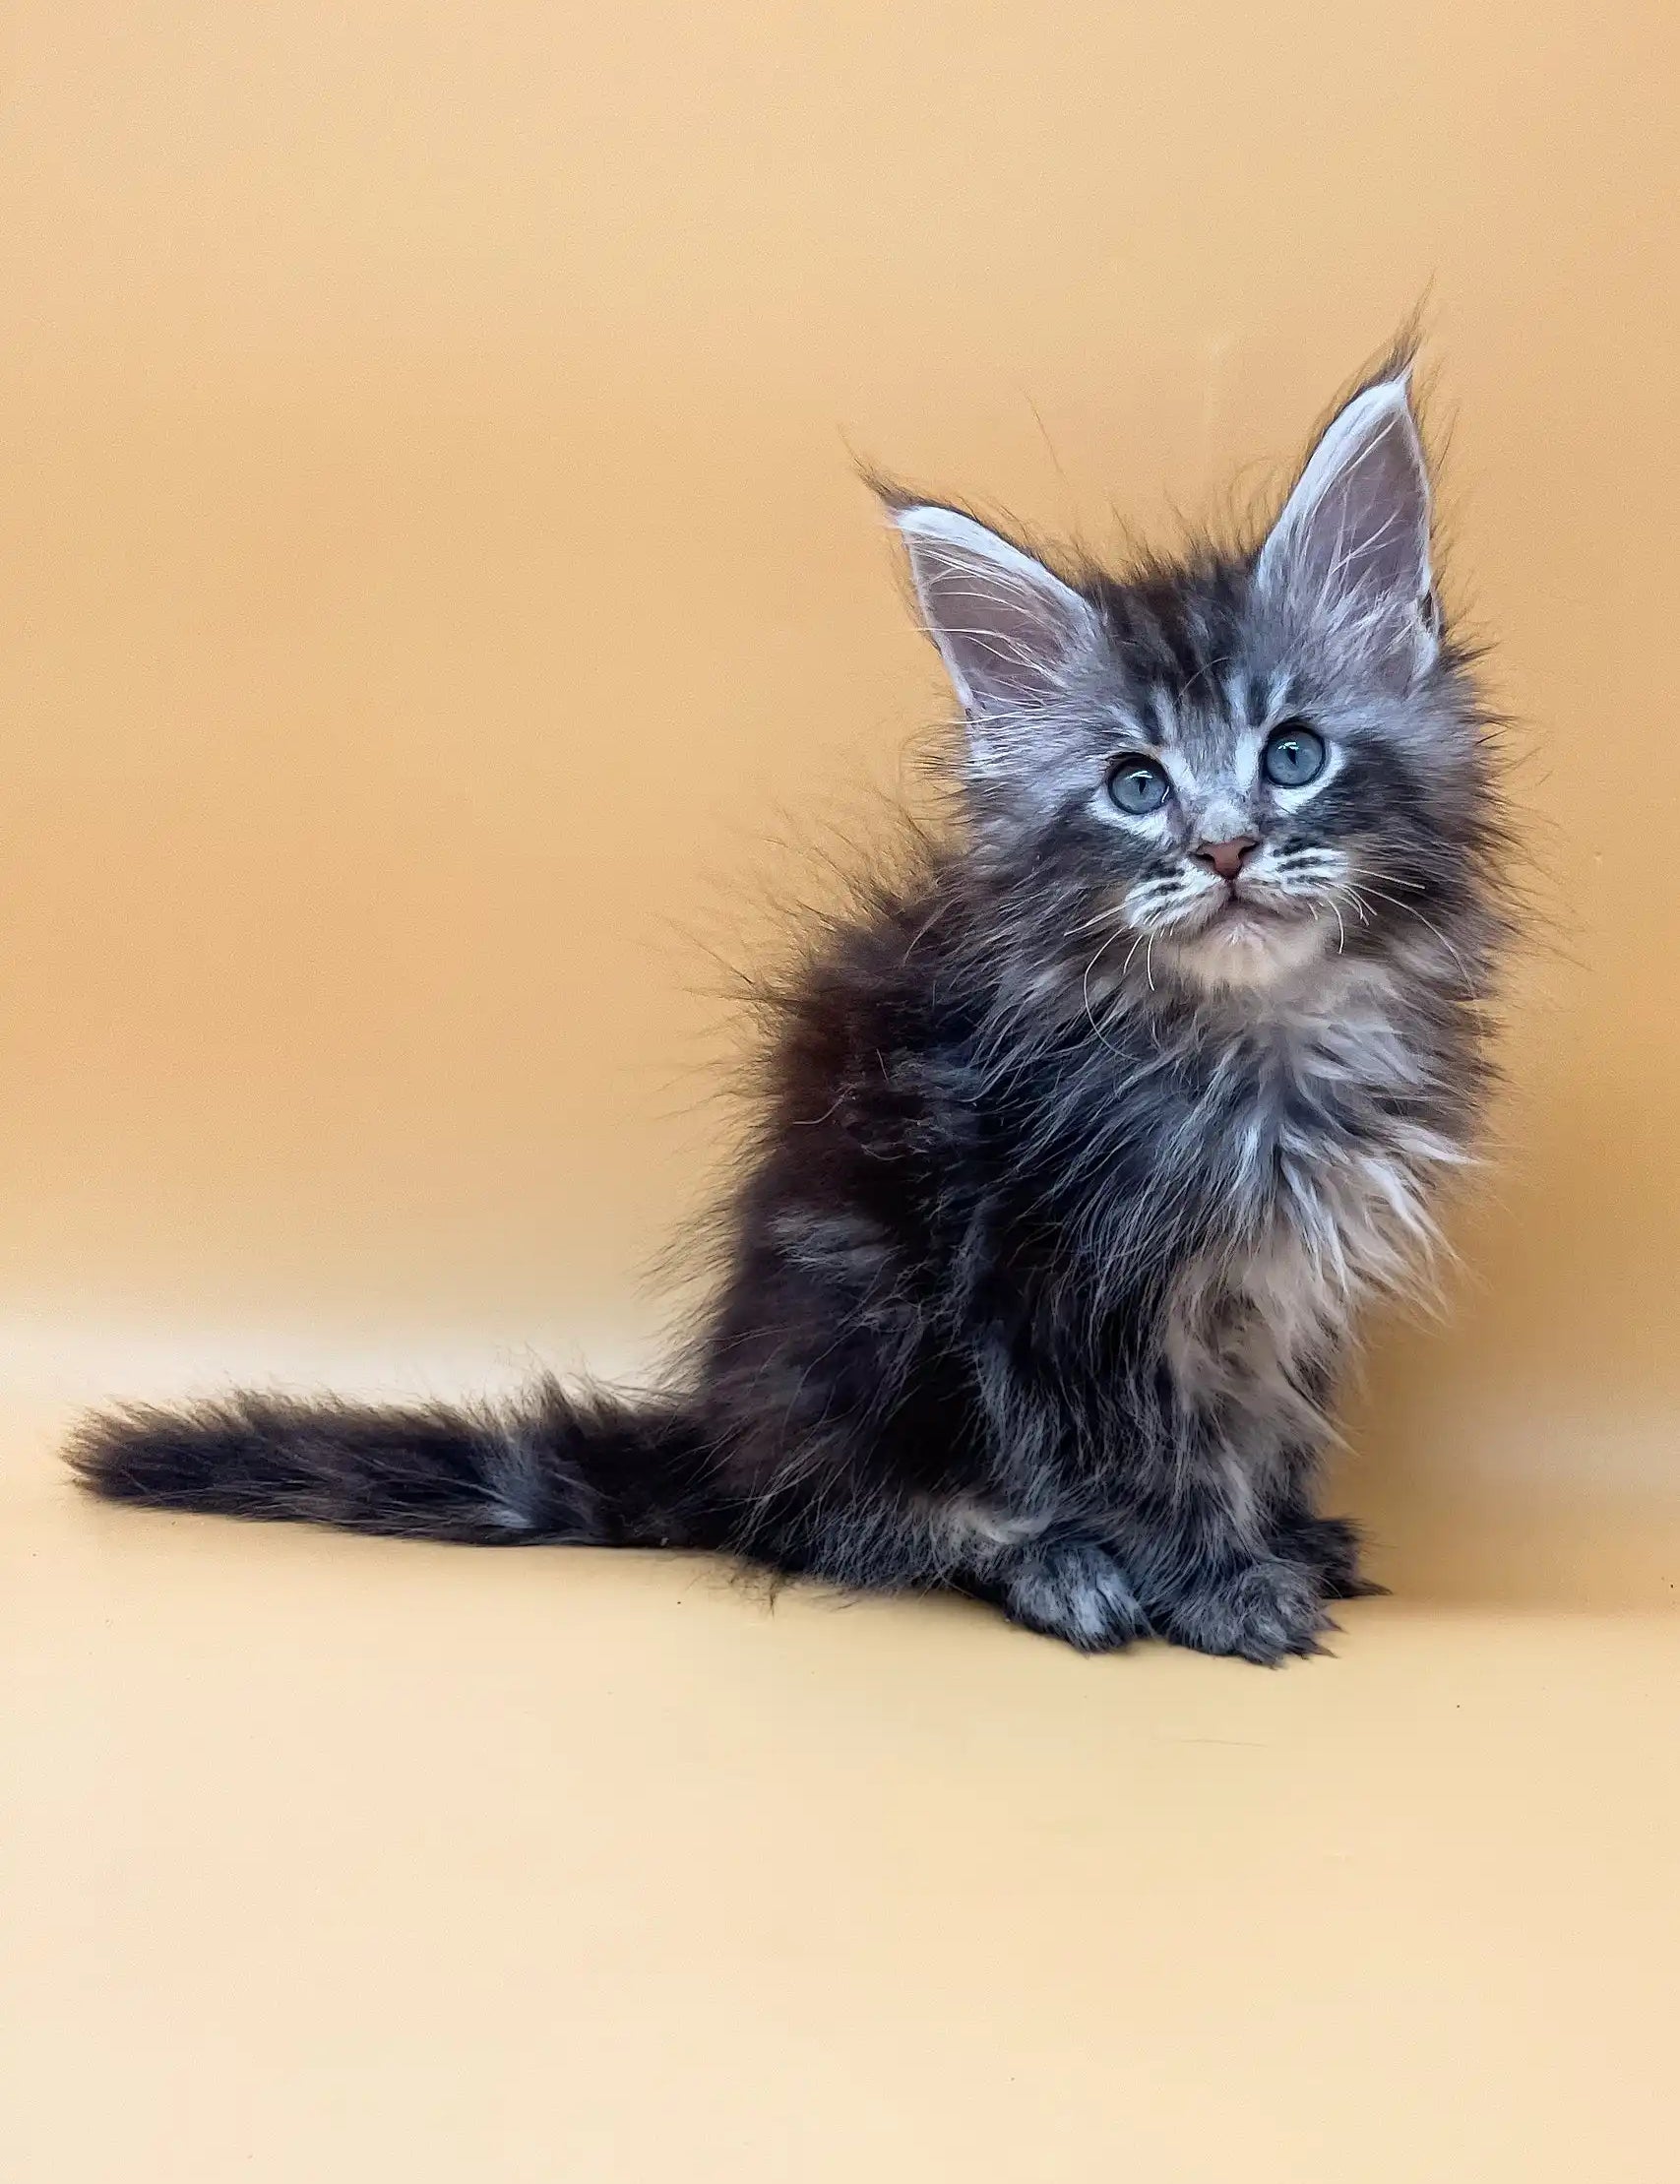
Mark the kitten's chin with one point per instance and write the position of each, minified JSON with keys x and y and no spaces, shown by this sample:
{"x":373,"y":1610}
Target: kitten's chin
{"x":1247,"y":953}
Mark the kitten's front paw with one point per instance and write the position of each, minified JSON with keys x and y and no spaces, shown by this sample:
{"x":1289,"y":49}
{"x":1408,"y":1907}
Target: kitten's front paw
{"x":1073,"y":1590}
{"x":1260,"y":1611}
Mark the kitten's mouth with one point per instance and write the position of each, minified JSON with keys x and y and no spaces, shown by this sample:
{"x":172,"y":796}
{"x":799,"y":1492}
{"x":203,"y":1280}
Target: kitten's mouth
{"x":1238,"y":935}
{"x":1242,"y":912}
{"x":1246,"y":942}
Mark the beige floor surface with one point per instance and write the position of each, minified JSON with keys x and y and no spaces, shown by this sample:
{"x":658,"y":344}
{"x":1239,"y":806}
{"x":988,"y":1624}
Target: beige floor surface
{"x":335,"y":1859}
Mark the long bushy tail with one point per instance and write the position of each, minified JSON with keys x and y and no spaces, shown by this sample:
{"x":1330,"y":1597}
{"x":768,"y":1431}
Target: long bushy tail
{"x":589,"y":1471}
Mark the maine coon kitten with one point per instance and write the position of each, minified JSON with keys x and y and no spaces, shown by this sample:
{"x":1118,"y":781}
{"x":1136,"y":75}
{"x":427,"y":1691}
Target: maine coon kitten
{"x":1079,"y":1152}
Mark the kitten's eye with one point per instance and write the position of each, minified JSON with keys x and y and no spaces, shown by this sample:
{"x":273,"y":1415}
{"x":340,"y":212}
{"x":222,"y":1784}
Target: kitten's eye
{"x":1139,"y":787}
{"x":1293,"y":756}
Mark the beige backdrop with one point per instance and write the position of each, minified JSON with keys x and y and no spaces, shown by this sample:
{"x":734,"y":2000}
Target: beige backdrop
{"x":438,"y":605}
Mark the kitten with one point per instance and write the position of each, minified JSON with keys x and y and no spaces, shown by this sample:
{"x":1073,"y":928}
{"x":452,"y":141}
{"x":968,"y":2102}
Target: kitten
{"x":1079,"y":1152}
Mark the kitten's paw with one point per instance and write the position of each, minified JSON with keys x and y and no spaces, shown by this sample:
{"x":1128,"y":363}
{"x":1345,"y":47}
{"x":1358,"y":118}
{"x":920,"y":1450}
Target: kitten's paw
{"x":1331,"y":1546}
{"x":1075,"y":1590}
{"x":1261,"y":1611}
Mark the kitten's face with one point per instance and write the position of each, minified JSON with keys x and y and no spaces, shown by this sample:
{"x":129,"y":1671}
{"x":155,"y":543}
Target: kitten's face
{"x":1240,"y":805}
{"x":1231,"y":829}
{"x":1225,"y":774}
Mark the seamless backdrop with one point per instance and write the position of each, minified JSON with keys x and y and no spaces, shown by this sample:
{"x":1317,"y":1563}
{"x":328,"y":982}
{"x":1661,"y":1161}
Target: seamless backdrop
{"x":438,"y":617}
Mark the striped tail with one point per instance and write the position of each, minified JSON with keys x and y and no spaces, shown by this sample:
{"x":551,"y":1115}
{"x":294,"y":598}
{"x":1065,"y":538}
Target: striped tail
{"x":553,"y":1468}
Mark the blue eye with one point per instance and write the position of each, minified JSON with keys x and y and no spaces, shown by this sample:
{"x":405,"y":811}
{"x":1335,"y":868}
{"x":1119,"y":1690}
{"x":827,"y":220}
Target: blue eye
{"x":1139,"y":787}
{"x":1293,"y":756}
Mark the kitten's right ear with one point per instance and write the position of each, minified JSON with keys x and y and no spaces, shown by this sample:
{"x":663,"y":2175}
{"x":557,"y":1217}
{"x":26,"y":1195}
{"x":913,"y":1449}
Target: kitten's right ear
{"x":1008,"y":630}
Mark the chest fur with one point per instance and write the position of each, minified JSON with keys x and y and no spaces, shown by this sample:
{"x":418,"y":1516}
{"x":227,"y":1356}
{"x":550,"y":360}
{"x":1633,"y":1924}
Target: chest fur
{"x":1320,"y":1215}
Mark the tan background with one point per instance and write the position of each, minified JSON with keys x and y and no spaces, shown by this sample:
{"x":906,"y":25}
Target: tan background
{"x":437,"y":606}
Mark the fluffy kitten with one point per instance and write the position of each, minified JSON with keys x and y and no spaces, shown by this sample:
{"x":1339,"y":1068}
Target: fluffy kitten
{"x":1079,"y":1152}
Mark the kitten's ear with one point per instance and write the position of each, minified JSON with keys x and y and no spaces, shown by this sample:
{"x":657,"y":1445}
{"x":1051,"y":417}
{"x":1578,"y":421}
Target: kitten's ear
{"x":1009,"y":632}
{"x":1350,"y":551}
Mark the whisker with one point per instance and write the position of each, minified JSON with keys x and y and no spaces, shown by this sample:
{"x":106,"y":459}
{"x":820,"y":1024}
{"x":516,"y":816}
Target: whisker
{"x":1411,"y":886}
{"x":1345,"y":888}
{"x":1114,"y":915}
{"x":1411,"y":910}
{"x":1084,"y":988}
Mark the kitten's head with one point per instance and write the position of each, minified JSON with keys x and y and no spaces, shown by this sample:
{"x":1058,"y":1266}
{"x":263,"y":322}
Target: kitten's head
{"x":1240,"y":765}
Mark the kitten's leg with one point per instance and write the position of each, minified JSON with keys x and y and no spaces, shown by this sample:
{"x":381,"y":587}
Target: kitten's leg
{"x":1262,"y":1609}
{"x":1332,"y":1547}
{"x":1066,"y":1586}
{"x":1206,"y":1584}
{"x":1069,"y":1587}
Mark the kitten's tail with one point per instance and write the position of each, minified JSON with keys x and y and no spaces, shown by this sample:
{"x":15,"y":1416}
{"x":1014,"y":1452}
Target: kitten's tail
{"x":585,"y":1470}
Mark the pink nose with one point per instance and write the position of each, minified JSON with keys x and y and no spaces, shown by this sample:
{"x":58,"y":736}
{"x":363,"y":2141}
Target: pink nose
{"x":1226,"y":858}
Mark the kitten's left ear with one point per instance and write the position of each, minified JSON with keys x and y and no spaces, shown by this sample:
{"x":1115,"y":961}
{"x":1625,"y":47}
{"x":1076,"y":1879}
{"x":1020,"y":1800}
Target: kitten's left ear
{"x":1351,"y":551}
